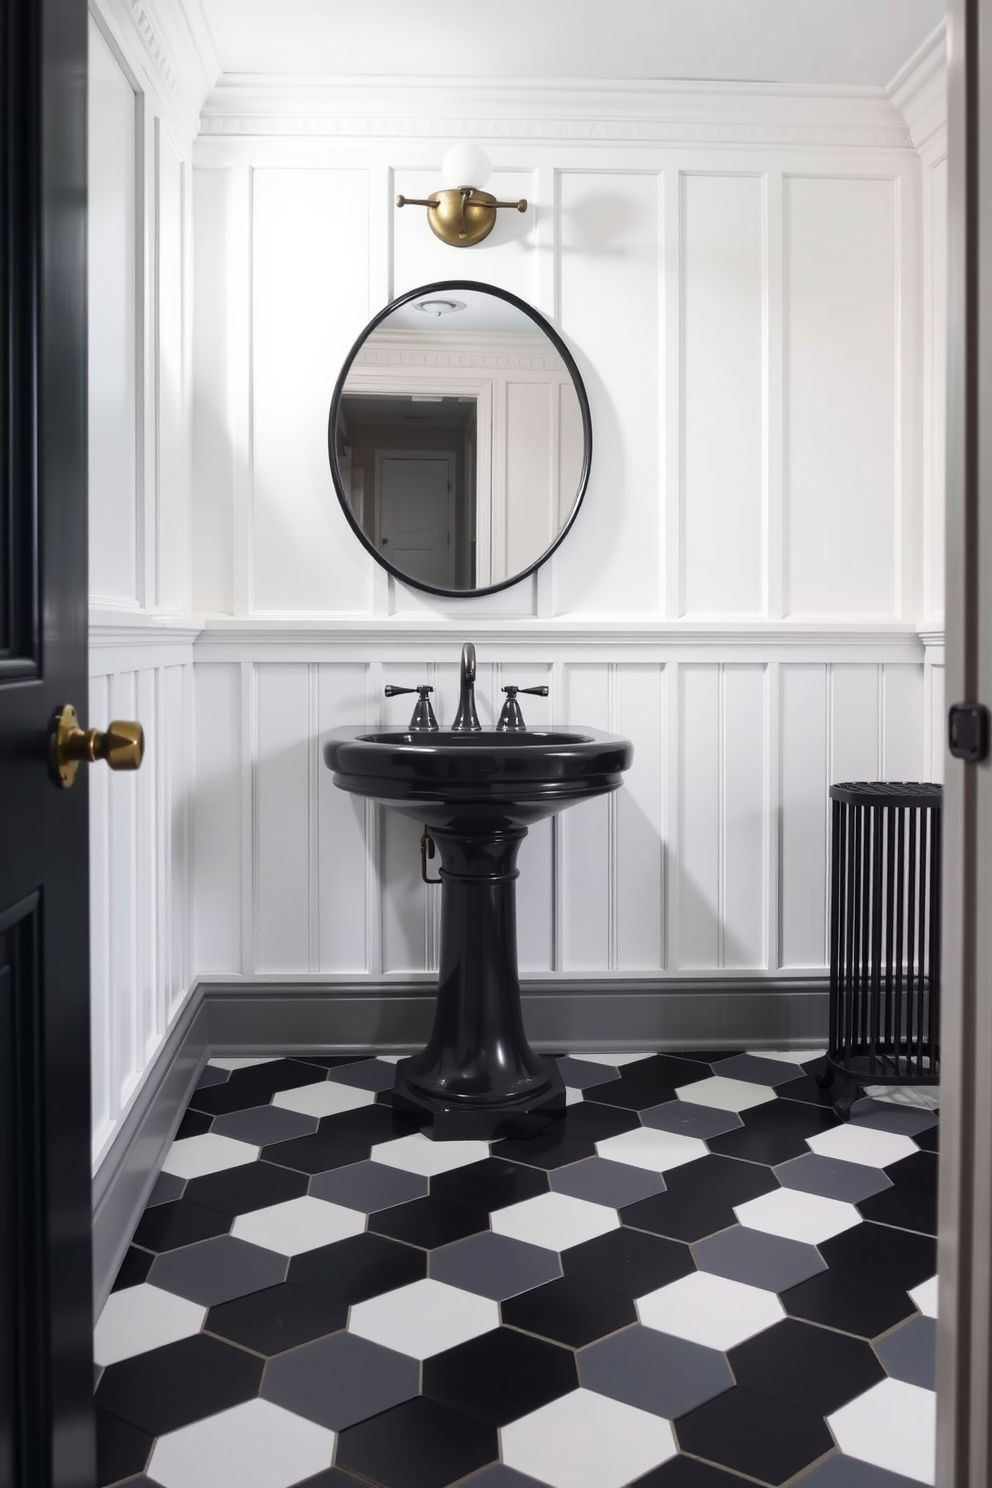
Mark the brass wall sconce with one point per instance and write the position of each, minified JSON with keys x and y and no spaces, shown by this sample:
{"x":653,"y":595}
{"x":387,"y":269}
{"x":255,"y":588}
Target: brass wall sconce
{"x":462,"y":215}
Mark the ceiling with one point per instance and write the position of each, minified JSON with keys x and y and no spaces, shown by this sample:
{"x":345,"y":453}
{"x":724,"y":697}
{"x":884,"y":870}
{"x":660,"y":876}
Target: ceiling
{"x":854,"y":42}
{"x":481,"y":312}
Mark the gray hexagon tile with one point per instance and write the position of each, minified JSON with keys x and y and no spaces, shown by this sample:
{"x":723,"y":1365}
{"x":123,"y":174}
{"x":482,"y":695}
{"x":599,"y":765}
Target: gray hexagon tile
{"x":167,"y":1187}
{"x":604,"y":1182}
{"x":758,"y":1259}
{"x":848,"y":1472}
{"x":580,"y":1074}
{"x":910,"y":1353}
{"x":262,"y":1125}
{"x":367,"y":1074}
{"x":218,"y":1270}
{"x":340,"y":1380}
{"x":369,"y":1186}
{"x":754,"y":1068}
{"x":495,"y":1266}
{"x":654,"y":1371}
{"x":497,"y":1476}
{"x":832,"y":1178}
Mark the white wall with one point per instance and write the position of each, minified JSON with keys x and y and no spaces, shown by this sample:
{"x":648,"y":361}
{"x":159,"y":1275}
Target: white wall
{"x":140,"y":307}
{"x":740,"y":280}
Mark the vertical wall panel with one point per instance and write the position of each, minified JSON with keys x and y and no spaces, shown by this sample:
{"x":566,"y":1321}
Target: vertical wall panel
{"x":641,"y":847}
{"x":803,"y":816}
{"x":935,"y":369}
{"x":587,"y":847}
{"x":535,"y":887}
{"x":176,"y":727}
{"x":699,"y":816}
{"x":213,"y":450}
{"x":150,"y":1027}
{"x":123,"y":902}
{"x":722,"y":394}
{"x":903,"y":740}
{"x":745,"y":817}
{"x":113,"y":328}
{"x":406,"y":899}
{"x":938,"y":721}
{"x":305,"y":554}
{"x":217,"y":837}
{"x":854,"y":723}
{"x":172,"y":491}
{"x":285,"y":815}
{"x":611,"y":561}
{"x":841,"y":381}
{"x":101,"y":1015}
{"x":342,"y":880}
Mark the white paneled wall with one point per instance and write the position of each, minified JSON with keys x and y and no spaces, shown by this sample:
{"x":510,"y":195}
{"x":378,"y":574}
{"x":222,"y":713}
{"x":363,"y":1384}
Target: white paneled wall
{"x":712,"y":860}
{"x":140,"y":859}
{"x":140,"y":320}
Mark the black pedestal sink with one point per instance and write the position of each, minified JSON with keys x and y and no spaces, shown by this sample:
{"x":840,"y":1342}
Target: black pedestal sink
{"x":477,"y":793}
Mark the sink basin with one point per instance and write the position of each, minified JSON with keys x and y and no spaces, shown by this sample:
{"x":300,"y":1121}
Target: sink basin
{"x":478,"y":793}
{"x":445,"y":778}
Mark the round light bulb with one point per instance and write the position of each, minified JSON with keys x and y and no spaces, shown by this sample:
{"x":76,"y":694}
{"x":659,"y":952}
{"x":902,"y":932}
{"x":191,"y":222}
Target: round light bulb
{"x":466,"y":165}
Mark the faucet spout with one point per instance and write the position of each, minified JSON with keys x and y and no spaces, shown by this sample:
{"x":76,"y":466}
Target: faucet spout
{"x":467,"y":719}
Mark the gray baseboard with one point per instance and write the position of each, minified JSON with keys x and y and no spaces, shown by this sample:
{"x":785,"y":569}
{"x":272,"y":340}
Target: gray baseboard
{"x":582,"y":1015}
{"x":283,"y":1018}
{"x":125,"y":1178}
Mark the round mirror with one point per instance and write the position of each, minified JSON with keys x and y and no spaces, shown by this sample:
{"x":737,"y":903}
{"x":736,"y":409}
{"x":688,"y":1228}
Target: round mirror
{"x":460,"y":438}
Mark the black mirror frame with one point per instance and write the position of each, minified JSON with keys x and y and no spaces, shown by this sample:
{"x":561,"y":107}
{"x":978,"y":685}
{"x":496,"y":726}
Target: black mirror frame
{"x":447,"y":286}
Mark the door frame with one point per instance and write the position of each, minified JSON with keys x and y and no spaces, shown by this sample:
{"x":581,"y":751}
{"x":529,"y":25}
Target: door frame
{"x":383,"y":382}
{"x":964,"y":1329}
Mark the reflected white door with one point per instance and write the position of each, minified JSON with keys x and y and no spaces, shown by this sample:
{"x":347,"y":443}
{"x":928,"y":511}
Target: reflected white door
{"x":415,"y":503}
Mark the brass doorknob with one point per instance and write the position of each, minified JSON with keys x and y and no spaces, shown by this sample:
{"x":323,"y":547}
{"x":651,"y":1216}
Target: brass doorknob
{"x":122,"y":746}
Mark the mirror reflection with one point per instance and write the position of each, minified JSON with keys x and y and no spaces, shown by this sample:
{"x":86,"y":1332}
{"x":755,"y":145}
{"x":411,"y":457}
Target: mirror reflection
{"x":459,"y":443}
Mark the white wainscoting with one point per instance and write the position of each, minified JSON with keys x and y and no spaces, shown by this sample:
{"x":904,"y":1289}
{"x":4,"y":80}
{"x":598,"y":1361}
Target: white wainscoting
{"x":712,"y":859}
{"x":140,"y":861}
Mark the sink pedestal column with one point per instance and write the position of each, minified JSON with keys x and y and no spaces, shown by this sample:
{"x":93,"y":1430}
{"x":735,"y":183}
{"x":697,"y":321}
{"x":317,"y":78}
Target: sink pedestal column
{"x":478,"y":1076}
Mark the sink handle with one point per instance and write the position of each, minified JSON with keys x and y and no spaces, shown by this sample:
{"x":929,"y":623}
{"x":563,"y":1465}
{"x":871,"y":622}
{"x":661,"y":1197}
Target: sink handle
{"x":423,"y":720}
{"x":511,"y":719}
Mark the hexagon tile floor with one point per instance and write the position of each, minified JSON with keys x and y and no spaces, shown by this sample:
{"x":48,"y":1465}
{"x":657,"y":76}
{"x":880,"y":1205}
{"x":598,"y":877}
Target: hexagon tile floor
{"x":699,"y":1278}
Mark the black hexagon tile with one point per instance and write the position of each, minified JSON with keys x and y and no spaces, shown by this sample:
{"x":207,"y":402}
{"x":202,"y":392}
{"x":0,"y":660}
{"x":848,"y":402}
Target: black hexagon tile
{"x":656,"y":1291}
{"x":569,"y":1312}
{"x":182,"y":1382}
{"x":278,"y":1318}
{"x":421,"y":1444}
{"x":500,"y":1376}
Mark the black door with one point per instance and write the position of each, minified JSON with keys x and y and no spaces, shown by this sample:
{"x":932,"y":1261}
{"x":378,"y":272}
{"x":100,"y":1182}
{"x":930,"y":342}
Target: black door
{"x":46,"y":1338}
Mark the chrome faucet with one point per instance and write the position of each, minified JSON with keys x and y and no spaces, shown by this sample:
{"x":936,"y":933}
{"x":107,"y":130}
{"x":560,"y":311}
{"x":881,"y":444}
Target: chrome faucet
{"x":467,"y":719}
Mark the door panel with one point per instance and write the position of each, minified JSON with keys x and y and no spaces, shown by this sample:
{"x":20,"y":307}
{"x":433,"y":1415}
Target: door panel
{"x":46,"y":1349}
{"x":415,"y":499}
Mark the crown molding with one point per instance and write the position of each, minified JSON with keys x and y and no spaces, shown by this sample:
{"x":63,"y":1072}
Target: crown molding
{"x":169,"y":49}
{"x":919,"y":90}
{"x":563,"y":112}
